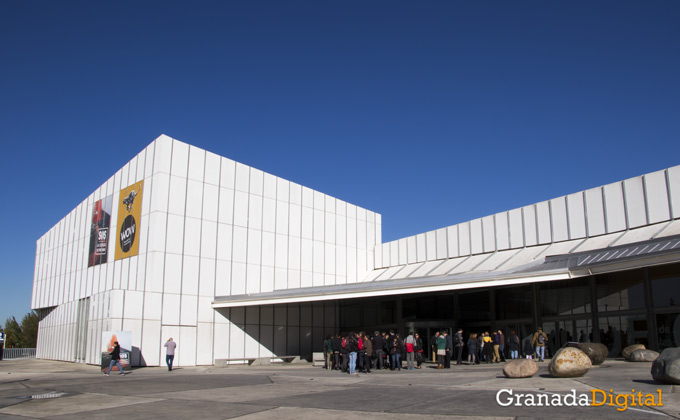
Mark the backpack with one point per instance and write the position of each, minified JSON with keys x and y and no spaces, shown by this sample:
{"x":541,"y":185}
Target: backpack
{"x":541,"y":338}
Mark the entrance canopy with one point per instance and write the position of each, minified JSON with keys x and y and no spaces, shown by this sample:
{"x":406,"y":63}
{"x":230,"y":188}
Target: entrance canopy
{"x":644,"y":247}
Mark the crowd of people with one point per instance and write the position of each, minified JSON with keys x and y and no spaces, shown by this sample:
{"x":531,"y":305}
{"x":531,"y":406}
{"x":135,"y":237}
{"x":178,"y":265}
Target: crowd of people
{"x":352,"y":352}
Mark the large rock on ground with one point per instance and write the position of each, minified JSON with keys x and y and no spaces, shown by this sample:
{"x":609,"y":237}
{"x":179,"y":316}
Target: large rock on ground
{"x":569,"y":362}
{"x":666,"y":367}
{"x":643,"y":355}
{"x":597,"y":352}
{"x":628,"y":350}
{"x":520,"y":368}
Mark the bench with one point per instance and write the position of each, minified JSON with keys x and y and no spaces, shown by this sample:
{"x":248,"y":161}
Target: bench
{"x":318,"y":359}
{"x":257,"y":361}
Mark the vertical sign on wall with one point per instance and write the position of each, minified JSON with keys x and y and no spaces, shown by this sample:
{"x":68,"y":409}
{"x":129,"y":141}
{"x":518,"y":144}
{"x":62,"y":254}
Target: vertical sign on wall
{"x":99,"y":231}
{"x":129,"y":216}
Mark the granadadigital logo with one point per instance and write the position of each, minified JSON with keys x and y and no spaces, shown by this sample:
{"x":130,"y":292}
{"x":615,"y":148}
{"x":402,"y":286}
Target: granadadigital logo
{"x":595,"y":398}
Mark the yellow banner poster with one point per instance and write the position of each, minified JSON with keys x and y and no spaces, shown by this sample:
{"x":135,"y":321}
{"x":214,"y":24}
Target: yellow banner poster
{"x":129,"y":216}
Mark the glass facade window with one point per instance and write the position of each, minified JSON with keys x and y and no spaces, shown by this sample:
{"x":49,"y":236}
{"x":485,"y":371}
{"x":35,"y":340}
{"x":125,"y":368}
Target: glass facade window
{"x":618,"y":332}
{"x":428,"y":307}
{"x":566,"y":297}
{"x":668,"y":330}
{"x":665,"y":286}
{"x":513,"y":302}
{"x":474,"y":306}
{"x":620,"y":291}
{"x":388,"y":312}
{"x":350,"y":315}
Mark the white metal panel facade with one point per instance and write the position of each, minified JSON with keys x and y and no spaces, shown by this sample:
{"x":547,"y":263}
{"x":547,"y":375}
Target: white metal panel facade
{"x":209,"y":227}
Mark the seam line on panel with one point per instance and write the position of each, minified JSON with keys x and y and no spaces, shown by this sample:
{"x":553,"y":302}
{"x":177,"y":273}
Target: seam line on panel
{"x":585,"y":213}
{"x":625,"y":204}
{"x":217,"y":241}
{"x":566,"y":208}
{"x":200,"y":255}
{"x":645,"y":198}
{"x":604,"y":211}
{"x":669,"y":194}
{"x":165,"y":242}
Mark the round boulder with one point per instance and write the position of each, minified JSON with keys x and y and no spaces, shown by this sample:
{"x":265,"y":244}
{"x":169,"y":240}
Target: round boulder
{"x":597,"y":352}
{"x":643,"y":355}
{"x":520,"y":368}
{"x":666,"y":367}
{"x":569,"y":362}
{"x":628,"y":350}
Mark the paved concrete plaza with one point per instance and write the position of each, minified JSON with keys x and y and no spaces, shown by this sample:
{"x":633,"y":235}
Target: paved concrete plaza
{"x":39,"y":389}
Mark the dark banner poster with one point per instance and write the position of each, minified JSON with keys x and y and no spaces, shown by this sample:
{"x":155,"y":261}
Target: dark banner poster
{"x":99,"y":231}
{"x":129,"y":216}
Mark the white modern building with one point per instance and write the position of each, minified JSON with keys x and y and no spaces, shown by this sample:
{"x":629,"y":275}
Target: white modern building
{"x":235,"y":263}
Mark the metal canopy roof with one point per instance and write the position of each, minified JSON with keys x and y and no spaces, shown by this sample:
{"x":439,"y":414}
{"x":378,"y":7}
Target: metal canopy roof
{"x":557,"y":267}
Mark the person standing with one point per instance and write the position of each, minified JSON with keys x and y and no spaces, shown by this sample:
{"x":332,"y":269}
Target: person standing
{"x":441,"y":351}
{"x":449,"y":350}
{"x":419,"y":351}
{"x":352,"y":347}
{"x":361,"y":353}
{"x":538,"y":342}
{"x":501,"y":346}
{"x":336,"y":346}
{"x":458,"y":344}
{"x":472,"y":349}
{"x":513,"y":344}
{"x":496,"y":345}
{"x":528,"y":349}
{"x":327,"y":351}
{"x":488,"y":348}
{"x":368,"y":353}
{"x":379,"y":349}
{"x":395,"y":353}
{"x":433,"y":345}
{"x":410,"y":352}
{"x":115,"y":359}
{"x":170,"y":352}
{"x":345,"y":353}
{"x":2,"y":342}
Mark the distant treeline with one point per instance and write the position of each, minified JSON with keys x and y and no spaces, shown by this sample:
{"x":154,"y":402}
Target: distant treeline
{"x":24,"y":335}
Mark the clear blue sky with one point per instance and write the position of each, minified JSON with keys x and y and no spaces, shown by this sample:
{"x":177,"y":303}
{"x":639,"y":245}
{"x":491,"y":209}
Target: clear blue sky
{"x":430,"y":113}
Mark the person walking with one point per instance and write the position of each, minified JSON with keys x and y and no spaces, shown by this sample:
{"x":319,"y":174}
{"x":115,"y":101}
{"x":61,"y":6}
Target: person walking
{"x":170,"y":352}
{"x":115,"y":359}
{"x":458,"y":345}
{"x":410,"y":352}
{"x":538,"y":342}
